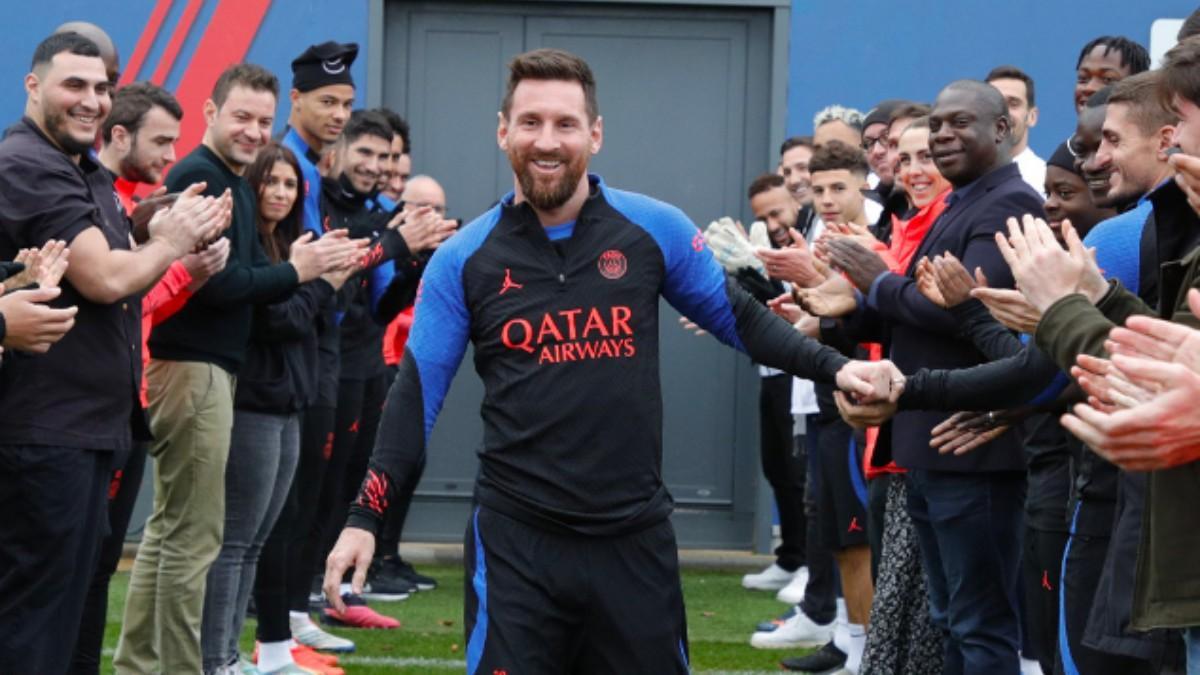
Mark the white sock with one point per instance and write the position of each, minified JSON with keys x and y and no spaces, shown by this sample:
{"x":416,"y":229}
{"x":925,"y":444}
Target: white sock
{"x":856,"y":642}
{"x":841,"y":610}
{"x":274,"y":655}
{"x":345,"y":589}
{"x":300,"y":620}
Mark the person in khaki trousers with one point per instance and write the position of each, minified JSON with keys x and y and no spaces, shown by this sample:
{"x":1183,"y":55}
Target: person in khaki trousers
{"x":195,"y":357}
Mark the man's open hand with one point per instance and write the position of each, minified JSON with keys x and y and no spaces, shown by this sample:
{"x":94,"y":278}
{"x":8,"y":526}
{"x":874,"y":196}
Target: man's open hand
{"x":30,"y":324}
{"x":354,"y":548}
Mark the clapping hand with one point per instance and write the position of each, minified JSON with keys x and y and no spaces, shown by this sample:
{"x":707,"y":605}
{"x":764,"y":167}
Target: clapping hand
{"x":1006,"y":305}
{"x":944,"y":280}
{"x":859,"y":263}
{"x":833,"y":298}
{"x":794,"y":264}
{"x":1044,"y":272}
{"x":44,"y":267}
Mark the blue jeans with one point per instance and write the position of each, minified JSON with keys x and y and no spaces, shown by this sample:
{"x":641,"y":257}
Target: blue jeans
{"x":262,"y":461}
{"x":969,"y":526}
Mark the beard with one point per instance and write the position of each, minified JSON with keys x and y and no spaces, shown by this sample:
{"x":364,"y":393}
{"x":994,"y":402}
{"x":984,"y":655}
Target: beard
{"x":542,"y":196}
{"x":56,"y":128}
{"x":134,"y":170}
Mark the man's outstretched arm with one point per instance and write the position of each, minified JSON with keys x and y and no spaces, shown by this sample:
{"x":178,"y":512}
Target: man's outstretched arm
{"x":432,"y":355}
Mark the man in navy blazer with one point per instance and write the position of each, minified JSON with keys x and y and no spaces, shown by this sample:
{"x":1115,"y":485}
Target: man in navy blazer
{"x":967,"y":509}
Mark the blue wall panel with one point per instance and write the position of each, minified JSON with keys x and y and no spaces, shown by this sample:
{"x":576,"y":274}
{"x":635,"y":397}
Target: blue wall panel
{"x":860,"y":53}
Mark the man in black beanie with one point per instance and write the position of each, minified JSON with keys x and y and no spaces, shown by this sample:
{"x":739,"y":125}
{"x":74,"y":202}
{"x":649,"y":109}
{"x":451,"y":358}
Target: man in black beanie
{"x":322,"y":96}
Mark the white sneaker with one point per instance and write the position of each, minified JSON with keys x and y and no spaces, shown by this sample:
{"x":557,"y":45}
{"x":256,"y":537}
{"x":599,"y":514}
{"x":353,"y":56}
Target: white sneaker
{"x":771,"y":579}
{"x":798,"y":631}
{"x":305,"y":632}
{"x":793,"y":593}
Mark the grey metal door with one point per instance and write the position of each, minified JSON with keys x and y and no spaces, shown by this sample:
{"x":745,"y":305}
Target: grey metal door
{"x":684,"y":93}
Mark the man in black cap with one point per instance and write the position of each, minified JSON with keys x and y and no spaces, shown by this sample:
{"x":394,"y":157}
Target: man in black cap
{"x":874,"y":140}
{"x":322,"y":96}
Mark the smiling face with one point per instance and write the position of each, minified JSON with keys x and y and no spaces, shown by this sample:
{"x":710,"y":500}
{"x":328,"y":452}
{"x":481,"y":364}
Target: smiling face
{"x":1068,"y":198}
{"x":363,"y":159}
{"x":916,"y":171}
{"x":241,"y":126}
{"x":152,"y":148}
{"x":965,"y":135}
{"x":278,"y":193}
{"x":777,"y":209}
{"x":1136,"y":158}
{"x":549,"y":141}
{"x":1084,"y":144}
{"x":1187,"y":131}
{"x":838,"y":197}
{"x":1098,"y":69}
{"x":875,"y":145}
{"x":794,"y":168}
{"x":69,"y":99}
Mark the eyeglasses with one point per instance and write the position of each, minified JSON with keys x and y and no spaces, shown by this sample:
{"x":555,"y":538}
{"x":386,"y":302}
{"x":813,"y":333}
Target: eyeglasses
{"x":869,"y":143}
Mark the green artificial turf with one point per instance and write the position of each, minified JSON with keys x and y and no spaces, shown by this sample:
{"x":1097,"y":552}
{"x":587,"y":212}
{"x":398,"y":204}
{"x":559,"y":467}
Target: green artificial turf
{"x":720,"y":613}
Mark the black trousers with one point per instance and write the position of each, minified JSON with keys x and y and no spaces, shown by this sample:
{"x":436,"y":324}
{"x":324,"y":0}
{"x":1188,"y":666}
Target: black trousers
{"x":545,"y":603}
{"x":1041,"y":563}
{"x":821,"y":593}
{"x":360,"y":405}
{"x":783,"y":468}
{"x":122,"y":496}
{"x":300,"y":512}
{"x":54,"y":502}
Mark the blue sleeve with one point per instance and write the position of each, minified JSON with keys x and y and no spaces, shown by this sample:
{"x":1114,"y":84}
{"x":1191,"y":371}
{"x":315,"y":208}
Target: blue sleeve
{"x":693,"y":281}
{"x":1118,"y":245}
{"x":696,"y":285}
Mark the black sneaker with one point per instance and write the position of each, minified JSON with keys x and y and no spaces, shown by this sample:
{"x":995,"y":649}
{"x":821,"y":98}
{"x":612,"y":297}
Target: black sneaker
{"x":405,"y":570}
{"x":827,"y":659}
{"x":384,"y":583}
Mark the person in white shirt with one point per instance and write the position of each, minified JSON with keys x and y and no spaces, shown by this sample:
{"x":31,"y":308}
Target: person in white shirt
{"x":1017,"y":88}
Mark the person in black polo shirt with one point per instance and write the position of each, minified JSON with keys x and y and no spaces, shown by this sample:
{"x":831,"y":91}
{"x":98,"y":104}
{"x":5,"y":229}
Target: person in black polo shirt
{"x":190,"y":381}
{"x":70,"y":412}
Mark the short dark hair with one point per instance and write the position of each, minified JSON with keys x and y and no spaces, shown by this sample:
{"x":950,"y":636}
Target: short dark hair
{"x":131,"y":103}
{"x":836,"y":155}
{"x":1190,"y":27}
{"x":1133,"y":55}
{"x":1014,"y":73}
{"x":398,"y":124}
{"x":921,"y":122}
{"x":279,"y":243}
{"x":551,"y":64}
{"x":796,"y":141}
{"x":367,"y":123}
{"x":249,"y":75}
{"x":1180,"y":73}
{"x":909,"y":111}
{"x":1140,"y":93}
{"x":70,"y":42}
{"x":767,"y":181}
{"x":985,"y":93}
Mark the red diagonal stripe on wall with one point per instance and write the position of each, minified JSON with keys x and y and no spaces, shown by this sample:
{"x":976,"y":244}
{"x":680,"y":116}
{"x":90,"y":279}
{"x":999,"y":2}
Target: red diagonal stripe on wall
{"x":145,"y":41}
{"x":226,"y":39}
{"x":177,"y":37}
